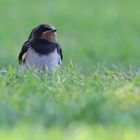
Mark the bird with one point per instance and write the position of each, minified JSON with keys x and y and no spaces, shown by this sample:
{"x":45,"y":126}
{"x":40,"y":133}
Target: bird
{"x":41,"y":50}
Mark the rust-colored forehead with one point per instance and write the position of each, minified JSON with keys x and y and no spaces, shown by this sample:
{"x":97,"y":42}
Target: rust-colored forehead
{"x":46,"y":32}
{"x":40,"y":29}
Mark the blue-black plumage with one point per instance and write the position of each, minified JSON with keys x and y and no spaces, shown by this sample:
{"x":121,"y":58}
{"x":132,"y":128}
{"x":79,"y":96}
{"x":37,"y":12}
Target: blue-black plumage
{"x":41,"y":50}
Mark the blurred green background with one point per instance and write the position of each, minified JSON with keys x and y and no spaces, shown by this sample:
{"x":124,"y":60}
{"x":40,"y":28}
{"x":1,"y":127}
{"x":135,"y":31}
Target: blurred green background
{"x":91,"y":32}
{"x":92,"y":104}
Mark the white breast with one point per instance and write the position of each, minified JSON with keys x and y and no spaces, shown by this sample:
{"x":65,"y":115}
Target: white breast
{"x":41,"y":62}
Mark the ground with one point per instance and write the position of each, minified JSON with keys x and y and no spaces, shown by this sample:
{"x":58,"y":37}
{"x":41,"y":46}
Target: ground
{"x":95,"y":94}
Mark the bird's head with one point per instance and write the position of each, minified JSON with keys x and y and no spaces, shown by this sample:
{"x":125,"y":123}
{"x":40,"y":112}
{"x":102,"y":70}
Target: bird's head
{"x":45,"y":31}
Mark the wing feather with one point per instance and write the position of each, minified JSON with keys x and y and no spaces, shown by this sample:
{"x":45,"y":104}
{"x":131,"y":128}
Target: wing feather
{"x":22,"y":54}
{"x":59,"y":50}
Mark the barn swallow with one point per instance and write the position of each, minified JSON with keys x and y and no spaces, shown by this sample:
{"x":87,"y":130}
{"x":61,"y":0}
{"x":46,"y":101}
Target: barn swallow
{"x":41,"y":50}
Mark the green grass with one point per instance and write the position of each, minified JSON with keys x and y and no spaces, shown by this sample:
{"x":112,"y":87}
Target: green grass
{"x":98,"y":97}
{"x":80,"y":132}
{"x":106,"y":101}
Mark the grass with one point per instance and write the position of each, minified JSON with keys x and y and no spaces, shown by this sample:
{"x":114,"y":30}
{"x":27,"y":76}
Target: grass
{"x":94,"y":96}
{"x":104,"y":101}
{"x":81,"y":132}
